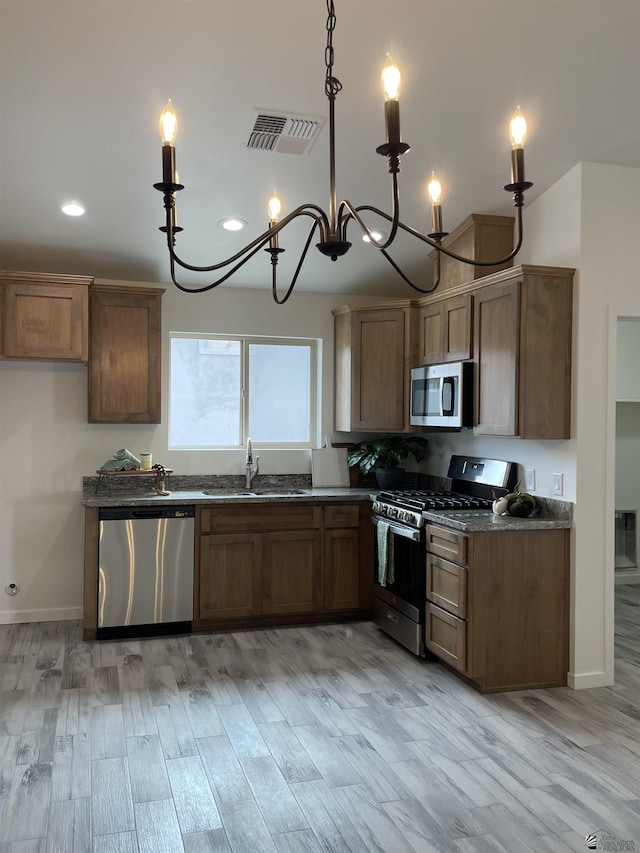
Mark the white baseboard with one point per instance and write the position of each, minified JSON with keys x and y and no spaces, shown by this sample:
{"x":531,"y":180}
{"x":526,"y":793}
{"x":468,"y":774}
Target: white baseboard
{"x":587,"y":680}
{"x":15,"y":617}
{"x":627,"y":576}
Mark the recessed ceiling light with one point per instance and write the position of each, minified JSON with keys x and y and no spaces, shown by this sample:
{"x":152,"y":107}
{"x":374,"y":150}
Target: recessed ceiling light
{"x":73,"y":209}
{"x":232,"y":223}
{"x":379,"y":236}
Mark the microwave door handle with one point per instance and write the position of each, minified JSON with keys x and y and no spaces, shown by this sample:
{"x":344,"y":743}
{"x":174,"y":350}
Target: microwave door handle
{"x":447,"y":382}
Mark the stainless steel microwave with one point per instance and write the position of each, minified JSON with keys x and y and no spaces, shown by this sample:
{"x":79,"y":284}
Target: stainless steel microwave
{"x":442,"y":395}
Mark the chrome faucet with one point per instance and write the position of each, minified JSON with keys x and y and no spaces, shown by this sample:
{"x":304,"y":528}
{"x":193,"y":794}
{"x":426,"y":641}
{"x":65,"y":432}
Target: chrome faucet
{"x":251,"y":469}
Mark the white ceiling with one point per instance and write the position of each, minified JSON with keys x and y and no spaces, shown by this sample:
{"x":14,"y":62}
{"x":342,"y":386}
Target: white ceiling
{"x":82,"y":84}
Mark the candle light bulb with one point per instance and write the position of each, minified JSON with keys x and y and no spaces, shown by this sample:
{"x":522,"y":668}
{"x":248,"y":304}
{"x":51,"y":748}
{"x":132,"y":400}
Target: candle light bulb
{"x":434,"y":189}
{"x":274,"y":207}
{"x":391,"y":80}
{"x":168,"y":124}
{"x":518,"y":129}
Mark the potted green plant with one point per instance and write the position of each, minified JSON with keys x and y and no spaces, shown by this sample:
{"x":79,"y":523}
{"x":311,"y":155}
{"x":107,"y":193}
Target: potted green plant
{"x":385,"y":456}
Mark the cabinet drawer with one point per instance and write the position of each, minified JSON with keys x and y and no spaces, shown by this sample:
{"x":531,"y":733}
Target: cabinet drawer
{"x":341,"y":516}
{"x":447,"y":585}
{"x":447,"y":543}
{"x":243,"y":517}
{"x":446,"y":636}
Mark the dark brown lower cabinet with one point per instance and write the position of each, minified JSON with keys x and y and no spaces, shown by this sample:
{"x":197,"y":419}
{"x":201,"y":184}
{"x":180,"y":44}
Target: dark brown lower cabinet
{"x":281,"y":564}
{"x":235,"y":589}
{"x":497,"y":605}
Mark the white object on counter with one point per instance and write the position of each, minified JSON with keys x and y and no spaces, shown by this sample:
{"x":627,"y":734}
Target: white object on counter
{"x":146,"y":460}
{"x":329,"y":466}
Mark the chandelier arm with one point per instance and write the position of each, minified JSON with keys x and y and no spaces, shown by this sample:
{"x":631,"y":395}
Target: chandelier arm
{"x":312,"y":210}
{"x":408,"y":280}
{"x":274,"y":262}
{"x":491,"y":263}
{"x":213,"y":284}
{"x":353,"y":213}
{"x":436,"y":244}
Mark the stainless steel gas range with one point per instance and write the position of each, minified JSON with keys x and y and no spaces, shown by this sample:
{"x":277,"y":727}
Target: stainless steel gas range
{"x":399,"y":589}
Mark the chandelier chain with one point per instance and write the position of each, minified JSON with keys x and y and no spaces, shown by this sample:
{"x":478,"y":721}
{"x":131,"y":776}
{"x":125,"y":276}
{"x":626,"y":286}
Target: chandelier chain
{"x":331,"y":84}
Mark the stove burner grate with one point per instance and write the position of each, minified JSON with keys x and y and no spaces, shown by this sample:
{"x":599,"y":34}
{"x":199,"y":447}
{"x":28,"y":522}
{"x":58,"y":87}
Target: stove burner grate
{"x":419,"y":500}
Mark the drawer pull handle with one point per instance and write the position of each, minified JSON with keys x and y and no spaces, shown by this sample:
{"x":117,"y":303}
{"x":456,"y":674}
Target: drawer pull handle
{"x":392,"y":617}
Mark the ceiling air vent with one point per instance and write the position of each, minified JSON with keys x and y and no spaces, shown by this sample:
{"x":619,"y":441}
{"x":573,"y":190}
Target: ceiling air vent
{"x":286,"y":133}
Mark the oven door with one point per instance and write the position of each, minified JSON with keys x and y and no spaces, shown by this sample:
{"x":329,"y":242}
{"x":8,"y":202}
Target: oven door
{"x":399,"y":590}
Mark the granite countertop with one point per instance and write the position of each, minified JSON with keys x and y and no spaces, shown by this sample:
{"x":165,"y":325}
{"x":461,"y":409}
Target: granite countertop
{"x":231,"y":495}
{"x":474,"y":520}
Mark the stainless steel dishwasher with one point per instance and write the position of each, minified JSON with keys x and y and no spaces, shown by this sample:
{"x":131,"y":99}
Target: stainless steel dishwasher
{"x":145,"y":571}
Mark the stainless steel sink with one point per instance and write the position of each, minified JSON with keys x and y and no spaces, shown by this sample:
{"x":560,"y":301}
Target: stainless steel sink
{"x":255,"y":492}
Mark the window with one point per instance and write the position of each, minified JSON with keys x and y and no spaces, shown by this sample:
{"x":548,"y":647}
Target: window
{"x":224,"y":389}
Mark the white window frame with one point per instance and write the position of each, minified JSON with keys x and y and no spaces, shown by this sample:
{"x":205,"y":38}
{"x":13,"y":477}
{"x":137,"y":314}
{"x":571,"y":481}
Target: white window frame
{"x":315,"y":360}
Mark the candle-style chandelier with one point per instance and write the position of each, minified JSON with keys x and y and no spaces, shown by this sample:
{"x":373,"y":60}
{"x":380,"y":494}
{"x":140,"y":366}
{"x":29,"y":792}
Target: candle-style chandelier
{"x":332,"y":226}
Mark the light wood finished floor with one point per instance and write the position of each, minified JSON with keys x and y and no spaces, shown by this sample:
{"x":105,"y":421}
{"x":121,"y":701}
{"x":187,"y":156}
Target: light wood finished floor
{"x":303,"y":740}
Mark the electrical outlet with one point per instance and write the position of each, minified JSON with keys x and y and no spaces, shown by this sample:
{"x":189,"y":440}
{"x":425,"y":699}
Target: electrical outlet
{"x":558,"y":484}
{"x":530,"y":479}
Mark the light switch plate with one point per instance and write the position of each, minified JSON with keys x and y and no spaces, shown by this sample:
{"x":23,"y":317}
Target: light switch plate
{"x":558,"y":484}
{"x":530,"y":479}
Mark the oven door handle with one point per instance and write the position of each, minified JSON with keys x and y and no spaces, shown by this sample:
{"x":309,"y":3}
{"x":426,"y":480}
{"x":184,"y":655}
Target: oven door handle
{"x":405,"y":532}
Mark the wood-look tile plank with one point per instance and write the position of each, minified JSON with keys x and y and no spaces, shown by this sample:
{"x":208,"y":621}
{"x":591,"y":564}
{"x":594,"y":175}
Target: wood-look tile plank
{"x":60,"y":831}
{"x":213,"y":841}
{"x":157,"y":827}
{"x":292,"y":759}
{"x":242,"y":731}
{"x":176,"y":737}
{"x":111,"y":800}
{"x":379,"y":833}
{"x":71,"y":778}
{"x":245,"y":827}
{"x":82,"y":824}
{"x":8,"y":754}
{"x":147,"y":770}
{"x":327,"y":756}
{"x":120,"y":842}
{"x":375,"y":774}
{"x":26,"y":814}
{"x":224,"y":772}
{"x":301,"y":841}
{"x":106,"y":732}
{"x":201,"y":712}
{"x":192,"y":796}
{"x":292,"y":708}
{"x":422,"y":832}
{"x":327,"y":818}
{"x":279,"y":808}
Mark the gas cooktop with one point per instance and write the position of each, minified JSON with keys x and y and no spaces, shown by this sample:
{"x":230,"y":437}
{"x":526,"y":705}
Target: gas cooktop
{"x":475,"y":482}
{"x":422,"y":499}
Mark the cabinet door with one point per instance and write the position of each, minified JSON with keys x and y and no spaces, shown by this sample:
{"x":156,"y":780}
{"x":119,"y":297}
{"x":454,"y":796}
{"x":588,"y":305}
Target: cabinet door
{"x":378,"y":370}
{"x":457,"y":313}
{"x":230,"y":575}
{"x":341,"y":569}
{"x":496,"y":334}
{"x":432,"y":333}
{"x":46,"y":321}
{"x":292,"y":573}
{"x":446,"y":636}
{"x":124,"y":359}
{"x":447,"y":585}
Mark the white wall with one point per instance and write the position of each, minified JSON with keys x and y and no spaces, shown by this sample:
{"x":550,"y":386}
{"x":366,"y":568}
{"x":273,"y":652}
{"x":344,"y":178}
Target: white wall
{"x":47,"y":446}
